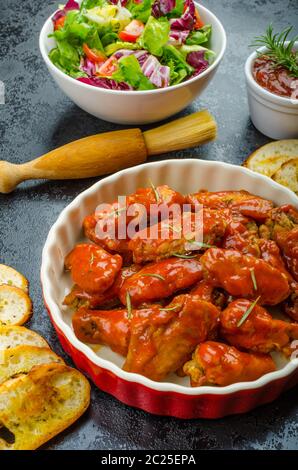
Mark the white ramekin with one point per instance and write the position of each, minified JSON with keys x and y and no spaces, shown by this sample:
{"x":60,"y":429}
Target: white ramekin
{"x":273,"y":115}
{"x":135,"y":107}
{"x":173,"y":396}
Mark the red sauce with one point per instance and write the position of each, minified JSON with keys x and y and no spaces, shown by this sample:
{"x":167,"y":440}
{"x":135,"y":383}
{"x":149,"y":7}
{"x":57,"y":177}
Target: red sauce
{"x":277,"y":80}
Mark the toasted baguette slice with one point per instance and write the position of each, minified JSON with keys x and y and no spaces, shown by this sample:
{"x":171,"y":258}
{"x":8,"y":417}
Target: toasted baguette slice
{"x":21,"y":359}
{"x":13,"y":336}
{"x":270,"y":157}
{"x":11,"y":277}
{"x":38,"y":406}
{"x":287,"y":175}
{"x":15,"y":306}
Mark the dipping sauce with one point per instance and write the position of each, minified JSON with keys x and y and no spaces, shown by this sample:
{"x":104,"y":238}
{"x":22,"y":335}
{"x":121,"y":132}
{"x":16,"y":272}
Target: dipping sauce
{"x":277,"y":80}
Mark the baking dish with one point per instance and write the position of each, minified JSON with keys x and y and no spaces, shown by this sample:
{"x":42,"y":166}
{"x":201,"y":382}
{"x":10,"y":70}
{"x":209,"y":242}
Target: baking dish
{"x":173,"y":397}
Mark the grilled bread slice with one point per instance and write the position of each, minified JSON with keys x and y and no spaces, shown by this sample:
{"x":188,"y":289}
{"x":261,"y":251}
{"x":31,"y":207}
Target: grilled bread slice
{"x":15,"y":306}
{"x":287,"y":175}
{"x":11,"y":277}
{"x":270,"y":157}
{"x":21,"y":359}
{"x":13,"y":336}
{"x":38,"y":406}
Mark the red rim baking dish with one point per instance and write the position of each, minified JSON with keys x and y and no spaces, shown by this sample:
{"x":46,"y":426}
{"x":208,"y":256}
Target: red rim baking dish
{"x":172,"y":397}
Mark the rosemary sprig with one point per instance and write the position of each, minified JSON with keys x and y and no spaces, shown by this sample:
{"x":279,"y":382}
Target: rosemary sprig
{"x":128,"y":306}
{"x":184,"y":256}
{"x":253,"y":278}
{"x":281,"y":54}
{"x":118,"y":211}
{"x":158,"y":276}
{"x":171,"y":227}
{"x":200,"y":244}
{"x":157,"y":197}
{"x":91,"y":259}
{"x":248,"y":312}
{"x":168,"y":309}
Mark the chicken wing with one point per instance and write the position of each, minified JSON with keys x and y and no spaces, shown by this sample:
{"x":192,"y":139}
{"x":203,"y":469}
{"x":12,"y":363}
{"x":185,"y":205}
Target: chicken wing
{"x":282,"y":227}
{"x":242,"y":236}
{"x":239,"y":202}
{"x":92,"y":268}
{"x":219,"y":364}
{"x":245,"y":276}
{"x":110,"y":298}
{"x":162,"y":339}
{"x":160,"y":280}
{"x":151,"y":201}
{"x":259,"y":332}
{"x":168,"y":237}
{"x":206,"y":291}
{"x":108,"y":327}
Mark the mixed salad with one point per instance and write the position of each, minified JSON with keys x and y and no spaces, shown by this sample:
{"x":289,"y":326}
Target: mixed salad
{"x":131,"y":44}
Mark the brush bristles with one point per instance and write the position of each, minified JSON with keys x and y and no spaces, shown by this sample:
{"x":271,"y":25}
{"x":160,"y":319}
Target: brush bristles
{"x":189,"y":131}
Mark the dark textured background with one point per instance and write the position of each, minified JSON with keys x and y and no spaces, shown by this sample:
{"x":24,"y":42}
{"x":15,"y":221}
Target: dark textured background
{"x":36,"y":118}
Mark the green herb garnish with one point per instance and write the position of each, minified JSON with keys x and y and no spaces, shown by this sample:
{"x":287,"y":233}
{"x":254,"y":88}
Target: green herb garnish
{"x":168,"y":309}
{"x":158,"y":276}
{"x":128,"y":306}
{"x":157,"y":197}
{"x":201,"y":244}
{"x":184,"y":256}
{"x":171,"y":227}
{"x":281,"y":54}
{"x":253,"y":278}
{"x":248,"y":312}
{"x":118,"y":211}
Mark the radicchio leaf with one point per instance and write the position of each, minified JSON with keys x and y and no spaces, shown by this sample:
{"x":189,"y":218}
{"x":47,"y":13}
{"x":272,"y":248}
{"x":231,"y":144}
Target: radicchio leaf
{"x":105,"y":83}
{"x":187,"y":20}
{"x":140,"y":55}
{"x":197,"y":61}
{"x":158,"y":74}
{"x":88,"y":67}
{"x":176,"y":38}
{"x":70,"y":5}
{"x":162,"y":7}
{"x":115,"y":2}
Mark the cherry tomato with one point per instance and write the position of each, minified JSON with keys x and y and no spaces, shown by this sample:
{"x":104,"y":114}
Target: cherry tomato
{"x":108,"y":67}
{"x":94,"y":55}
{"x":199,"y":23}
{"x":59,"y":23}
{"x":132,"y":31}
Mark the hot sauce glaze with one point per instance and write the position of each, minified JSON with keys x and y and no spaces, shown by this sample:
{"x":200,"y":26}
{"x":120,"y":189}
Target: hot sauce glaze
{"x":277,"y":80}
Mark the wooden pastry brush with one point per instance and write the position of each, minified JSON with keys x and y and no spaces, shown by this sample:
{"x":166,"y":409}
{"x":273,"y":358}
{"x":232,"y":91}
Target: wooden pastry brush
{"x":109,"y":152}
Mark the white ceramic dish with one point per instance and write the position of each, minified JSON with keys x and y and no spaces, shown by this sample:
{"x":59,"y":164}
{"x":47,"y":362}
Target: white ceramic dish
{"x":135,"y":107}
{"x":273,"y":115}
{"x":103,"y":365}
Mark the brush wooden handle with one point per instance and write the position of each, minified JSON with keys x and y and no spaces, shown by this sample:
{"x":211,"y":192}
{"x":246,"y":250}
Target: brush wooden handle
{"x":106,"y":153}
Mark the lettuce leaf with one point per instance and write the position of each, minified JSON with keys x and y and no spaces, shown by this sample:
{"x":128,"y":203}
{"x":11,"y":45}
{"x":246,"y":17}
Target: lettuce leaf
{"x":87,"y":4}
{"x":207,"y":54}
{"x":200,"y":36}
{"x":179,"y":68}
{"x":177,"y":10}
{"x":109,"y":38}
{"x":140,"y":11}
{"x":116,"y":46}
{"x":65,"y":60}
{"x":155,"y":35}
{"x":130,"y":72}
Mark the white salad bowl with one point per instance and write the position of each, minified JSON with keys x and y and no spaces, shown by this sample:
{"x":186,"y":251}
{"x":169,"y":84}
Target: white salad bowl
{"x":275,"y":116}
{"x":173,"y":396}
{"x":135,"y":107}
